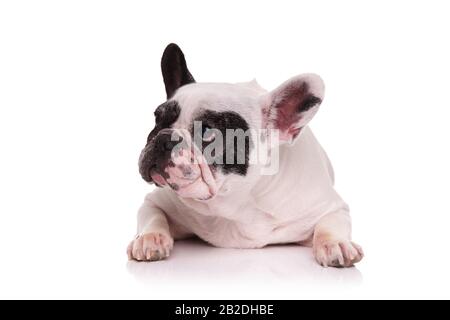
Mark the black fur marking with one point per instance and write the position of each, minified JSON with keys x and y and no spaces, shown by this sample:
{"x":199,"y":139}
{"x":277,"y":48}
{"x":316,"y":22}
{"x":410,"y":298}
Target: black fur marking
{"x":174,"y":69}
{"x":308,"y":102}
{"x":156,"y":153}
{"x":222,"y":121}
{"x":297,"y":99}
{"x":165,"y":115}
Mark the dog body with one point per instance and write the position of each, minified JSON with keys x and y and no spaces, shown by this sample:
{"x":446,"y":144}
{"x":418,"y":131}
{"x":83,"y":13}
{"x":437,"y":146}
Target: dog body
{"x":264,"y":211}
{"x":224,"y":197}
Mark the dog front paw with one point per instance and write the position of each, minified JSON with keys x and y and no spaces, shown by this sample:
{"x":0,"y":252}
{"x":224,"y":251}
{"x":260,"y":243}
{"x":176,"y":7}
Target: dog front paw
{"x":150,"y":247}
{"x":337,"y":253}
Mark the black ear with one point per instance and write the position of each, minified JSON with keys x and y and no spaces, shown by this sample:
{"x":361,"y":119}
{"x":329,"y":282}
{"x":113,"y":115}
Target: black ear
{"x":174,"y":69}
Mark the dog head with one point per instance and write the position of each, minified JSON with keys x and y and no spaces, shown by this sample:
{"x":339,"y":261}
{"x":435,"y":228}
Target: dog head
{"x":209,"y":137}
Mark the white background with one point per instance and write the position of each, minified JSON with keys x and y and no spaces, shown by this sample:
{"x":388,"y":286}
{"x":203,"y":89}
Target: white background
{"x":79,"y":81}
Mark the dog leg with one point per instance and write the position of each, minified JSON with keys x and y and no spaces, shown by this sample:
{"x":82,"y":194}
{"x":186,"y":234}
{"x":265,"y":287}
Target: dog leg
{"x":153,"y":240}
{"x":332,"y":245}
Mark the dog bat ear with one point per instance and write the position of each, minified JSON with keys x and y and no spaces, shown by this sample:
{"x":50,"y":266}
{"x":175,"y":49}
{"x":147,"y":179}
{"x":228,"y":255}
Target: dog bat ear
{"x":293,"y":104}
{"x":174,"y":69}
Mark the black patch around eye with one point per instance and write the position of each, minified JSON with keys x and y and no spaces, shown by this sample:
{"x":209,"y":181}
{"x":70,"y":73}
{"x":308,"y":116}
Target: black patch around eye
{"x":222,"y":121}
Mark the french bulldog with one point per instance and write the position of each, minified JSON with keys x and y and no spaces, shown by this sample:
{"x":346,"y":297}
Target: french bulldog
{"x":230,"y":194}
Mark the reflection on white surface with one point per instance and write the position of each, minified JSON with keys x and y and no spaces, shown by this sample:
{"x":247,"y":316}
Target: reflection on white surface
{"x":197,"y":262}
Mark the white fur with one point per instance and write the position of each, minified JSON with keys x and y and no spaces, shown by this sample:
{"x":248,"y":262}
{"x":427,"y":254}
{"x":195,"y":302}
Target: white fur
{"x":297,"y":205}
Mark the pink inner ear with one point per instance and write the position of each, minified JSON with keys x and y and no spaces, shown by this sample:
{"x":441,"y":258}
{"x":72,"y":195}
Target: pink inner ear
{"x":292,"y":106}
{"x":286,"y":116}
{"x":293,"y":132}
{"x":287,"y":106}
{"x":289,"y":133}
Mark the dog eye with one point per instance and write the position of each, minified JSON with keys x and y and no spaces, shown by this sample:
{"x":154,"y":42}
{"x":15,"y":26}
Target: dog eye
{"x":208,"y":134}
